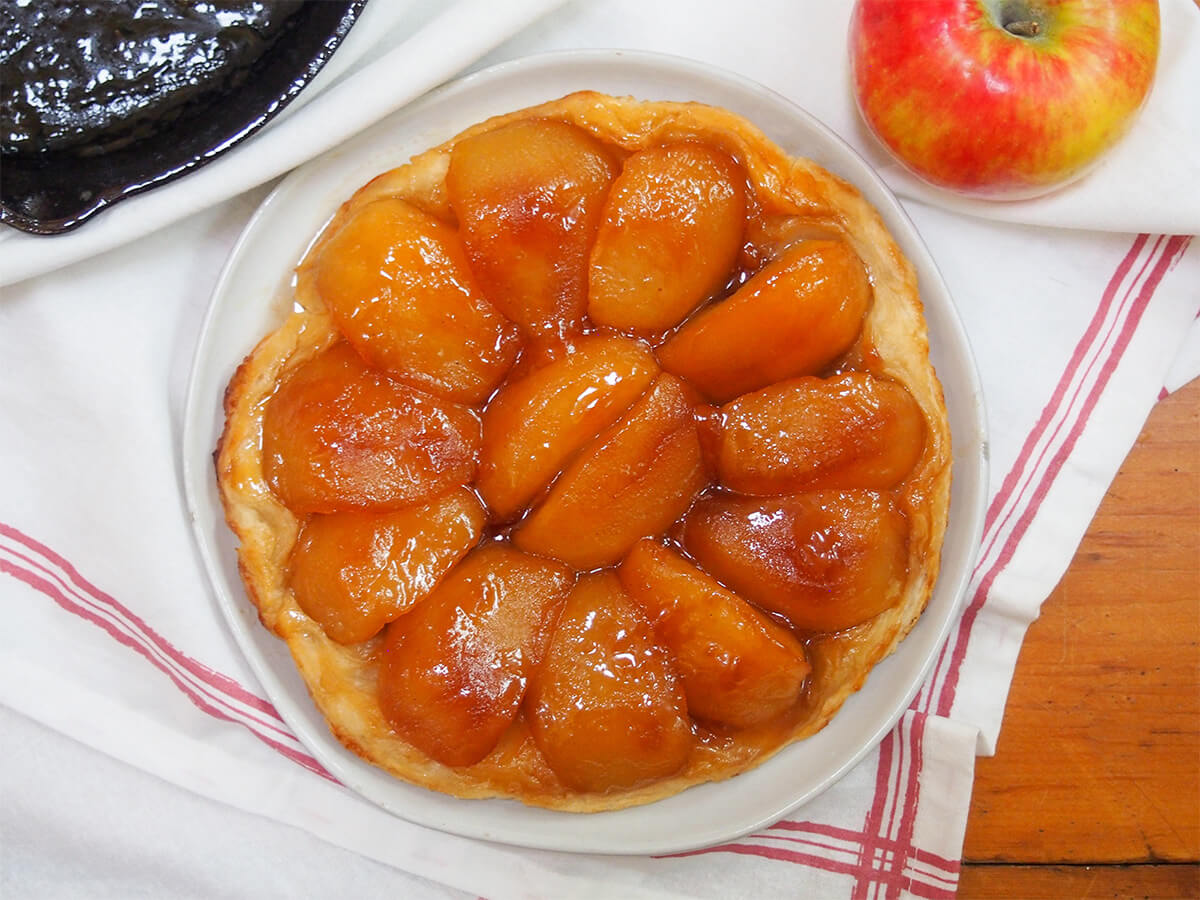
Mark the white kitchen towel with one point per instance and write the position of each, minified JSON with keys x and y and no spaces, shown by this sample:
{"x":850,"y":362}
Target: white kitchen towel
{"x":113,"y":638}
{"x":1187,"y":360}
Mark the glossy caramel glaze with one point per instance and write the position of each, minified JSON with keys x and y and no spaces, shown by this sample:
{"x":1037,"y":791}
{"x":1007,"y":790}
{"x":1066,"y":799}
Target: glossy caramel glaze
{"x":684,"y":201}
{"x":399,"y":287}
{"x":538,"y":422}
{"x":824,"y":560}
{"x":798,"y":314}
{"x":847,"y":431}
{"x":739,"y":668}
{"x":528,"y":198}
{"x":637,"y":479}
{"x":339,"y":435}
{"x":683,"y":414}
{"x":356,"y":571}
{"x":455,"y":668}
{"x":607,"y":709}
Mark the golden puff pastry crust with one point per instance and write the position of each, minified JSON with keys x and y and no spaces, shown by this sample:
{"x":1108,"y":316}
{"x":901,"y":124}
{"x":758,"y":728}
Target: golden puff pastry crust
{"x":794,"y":199}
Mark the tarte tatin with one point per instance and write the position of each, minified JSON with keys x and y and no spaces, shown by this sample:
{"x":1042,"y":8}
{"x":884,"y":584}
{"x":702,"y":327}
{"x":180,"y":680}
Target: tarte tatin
{"x":601,"y":456}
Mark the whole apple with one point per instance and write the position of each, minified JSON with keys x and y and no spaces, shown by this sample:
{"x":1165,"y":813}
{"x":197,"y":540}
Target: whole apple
{"x":1001,"y":98}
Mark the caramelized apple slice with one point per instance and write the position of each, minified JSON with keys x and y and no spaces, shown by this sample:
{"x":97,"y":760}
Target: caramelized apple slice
{"x":635,"y":480}
{"x":528,"y":197}
{"x":851,"y":431}
{"x":738,"y":667}
{"x":671,"y":231}
{"x":397,"y":283}
{"x":825,"y":561}
{"x":605,"y":708}
{"x":353,"y":572}
{"x":456,"y":666}
{"x":535,"y":424}
{"x":793,"y":318}
{"x":338,"y":435}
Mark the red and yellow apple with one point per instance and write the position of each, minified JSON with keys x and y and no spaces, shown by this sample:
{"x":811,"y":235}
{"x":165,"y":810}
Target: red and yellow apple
{"x":1003,"y":99}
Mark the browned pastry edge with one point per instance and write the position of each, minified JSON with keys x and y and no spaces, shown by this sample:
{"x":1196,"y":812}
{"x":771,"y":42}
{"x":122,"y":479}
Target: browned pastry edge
{"x":342,"y":679}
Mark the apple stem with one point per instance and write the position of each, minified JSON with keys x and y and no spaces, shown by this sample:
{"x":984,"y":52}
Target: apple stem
{"x":1026,"y":28}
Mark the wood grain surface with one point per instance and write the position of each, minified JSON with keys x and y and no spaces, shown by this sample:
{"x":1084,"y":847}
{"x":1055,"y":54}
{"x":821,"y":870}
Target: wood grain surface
{"x":1094,"y":790}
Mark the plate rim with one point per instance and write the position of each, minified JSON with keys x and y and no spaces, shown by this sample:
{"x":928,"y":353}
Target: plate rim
{"x":975,"y":470}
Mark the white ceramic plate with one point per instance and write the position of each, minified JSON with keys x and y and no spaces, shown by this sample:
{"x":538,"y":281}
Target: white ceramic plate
{"x":252,"y":297}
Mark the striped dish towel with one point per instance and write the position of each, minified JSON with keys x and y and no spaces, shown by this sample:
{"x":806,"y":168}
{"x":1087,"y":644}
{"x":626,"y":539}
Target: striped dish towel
{"x":112,"y":638}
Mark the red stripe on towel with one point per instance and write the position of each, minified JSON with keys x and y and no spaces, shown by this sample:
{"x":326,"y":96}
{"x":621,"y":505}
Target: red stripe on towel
{"x":954,"y":646}
{"x":211,"y":691}
{"x":55,"y":593}
{"x":1171,"y":251}
{"x":219,"y":681}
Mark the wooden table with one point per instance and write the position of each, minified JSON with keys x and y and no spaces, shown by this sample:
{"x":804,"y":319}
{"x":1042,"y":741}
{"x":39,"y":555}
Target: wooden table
{"x":1094,"y":790}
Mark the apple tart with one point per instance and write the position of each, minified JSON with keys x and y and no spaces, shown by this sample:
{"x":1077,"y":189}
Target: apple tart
{"x":601,"y":456}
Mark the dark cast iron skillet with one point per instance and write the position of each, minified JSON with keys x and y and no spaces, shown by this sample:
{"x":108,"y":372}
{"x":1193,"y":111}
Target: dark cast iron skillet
{"x":52,"y":189}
